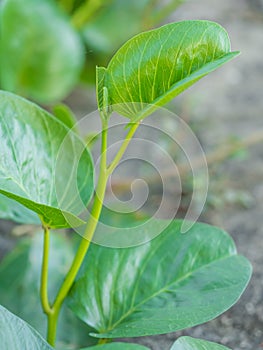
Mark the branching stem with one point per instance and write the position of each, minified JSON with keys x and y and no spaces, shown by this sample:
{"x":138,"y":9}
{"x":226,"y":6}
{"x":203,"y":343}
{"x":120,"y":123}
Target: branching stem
{"x":105,"y":171}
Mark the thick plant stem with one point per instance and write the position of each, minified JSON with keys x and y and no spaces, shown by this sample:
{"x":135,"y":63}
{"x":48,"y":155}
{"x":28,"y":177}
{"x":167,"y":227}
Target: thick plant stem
{"x":44,"y":274}
{"x":52,"y":327}
{"x":90,"y":228}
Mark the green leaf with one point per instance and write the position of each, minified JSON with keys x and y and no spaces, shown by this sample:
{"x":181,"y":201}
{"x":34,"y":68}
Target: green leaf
{"x":101,"y":33}
{"x":117,"y":346}
{"x":15,"y":334}
{"x":65,"y":115}
{"x":154,"y":67}
{"x":188,"y":343}
{"x":41,"y":54}
{"x":20,"y":284}
{"x":165,"y":285}
{"x":116,"y":218}
{"x":103,"y":37}
{"x":36,"y":169}
{"x":12,"y":210}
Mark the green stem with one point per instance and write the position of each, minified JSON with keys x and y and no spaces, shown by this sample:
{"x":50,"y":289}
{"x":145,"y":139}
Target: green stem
{"x":90,"y":228}
{"x":44,"y":274}
{"x":52,"y":327}
{"x":85,"y":242}
{"x":123,"y":148}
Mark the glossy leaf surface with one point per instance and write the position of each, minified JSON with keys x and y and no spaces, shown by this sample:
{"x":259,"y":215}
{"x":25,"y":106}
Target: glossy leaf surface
{"x":156,"y":66}
{"x":188,"y":343}
{"x":117,"y":346}
{"x":15,"y":334}
{"x":41,"y":54}
{"x":20,"y":276}
{"x":168,"y":284}
{"x":31,"y":171}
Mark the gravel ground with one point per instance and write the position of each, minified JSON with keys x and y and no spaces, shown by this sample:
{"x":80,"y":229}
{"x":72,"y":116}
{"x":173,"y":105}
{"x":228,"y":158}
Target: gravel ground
{"x":230,"y":103}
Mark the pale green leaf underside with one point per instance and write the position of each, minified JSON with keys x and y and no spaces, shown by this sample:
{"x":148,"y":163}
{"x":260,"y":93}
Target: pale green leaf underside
{"x":15,"y":334}
{"x":163,"y":286}
{"x":12,"y":210}
{"x":51,"y":216}
{"x":188,"y":343}
{"x":31,"y":171}
{"x":156,"y":66}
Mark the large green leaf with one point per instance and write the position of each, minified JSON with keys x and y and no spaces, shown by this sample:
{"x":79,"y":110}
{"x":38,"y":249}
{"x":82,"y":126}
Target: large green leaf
{"x":31,"y":171}
{"x":41,"y":54}
{"x":19,"y":288}
{"x":188,"y":343}
{"x":167,"y":284}
{"x":117,"y":219}
{"x":15,"y":334}
{"x":117,"y":346}
{"x":155,"y":66}
{"x":183,"y":343}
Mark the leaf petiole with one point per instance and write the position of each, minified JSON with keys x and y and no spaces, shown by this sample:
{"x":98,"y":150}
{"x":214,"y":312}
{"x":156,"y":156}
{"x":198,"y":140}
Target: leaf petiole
{"x":44,"y":273}
{"x":123,"y":148}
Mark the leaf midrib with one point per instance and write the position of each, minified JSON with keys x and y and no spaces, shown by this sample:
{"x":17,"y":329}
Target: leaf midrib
{"x":156,"y":103}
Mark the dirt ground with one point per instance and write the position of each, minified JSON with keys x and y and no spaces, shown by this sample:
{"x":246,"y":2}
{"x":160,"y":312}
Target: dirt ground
{"x":228,"y":104}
